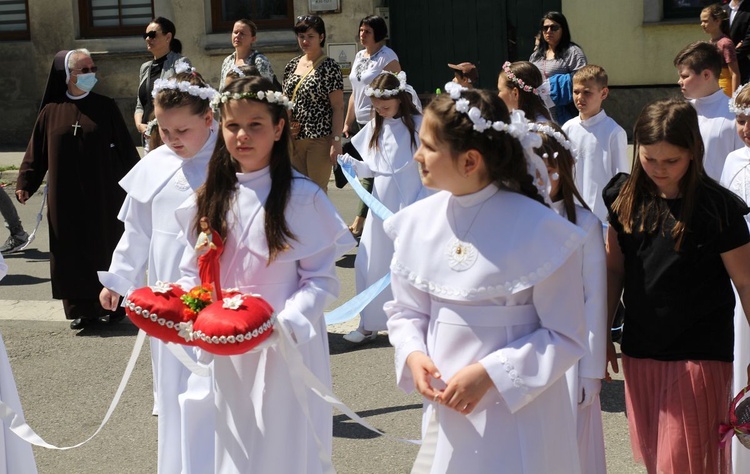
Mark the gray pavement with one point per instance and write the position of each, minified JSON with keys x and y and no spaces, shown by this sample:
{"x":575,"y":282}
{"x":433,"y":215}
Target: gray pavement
{"x":66,"y":379}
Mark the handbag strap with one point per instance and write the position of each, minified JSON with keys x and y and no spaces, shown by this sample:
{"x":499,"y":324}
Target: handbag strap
{"x":315,"y":65}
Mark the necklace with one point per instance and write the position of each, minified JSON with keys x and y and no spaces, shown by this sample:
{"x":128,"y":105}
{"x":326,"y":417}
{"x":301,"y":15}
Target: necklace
{"x":461,"y":254}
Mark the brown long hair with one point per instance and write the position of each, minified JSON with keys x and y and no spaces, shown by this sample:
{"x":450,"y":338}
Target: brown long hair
{"x":637,"y":206}
{"x":560,"y":158}
{"x":406,"y":108}
{"x":531,"y":104}
{"x":216,"y":196}
{"x":503,"y":155}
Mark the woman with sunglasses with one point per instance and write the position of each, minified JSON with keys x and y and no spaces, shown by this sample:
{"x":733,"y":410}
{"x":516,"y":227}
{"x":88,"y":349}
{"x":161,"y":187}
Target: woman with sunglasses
{"x":558,"y":58}
{"x":161,"y":42}
{"x":314,"y":83}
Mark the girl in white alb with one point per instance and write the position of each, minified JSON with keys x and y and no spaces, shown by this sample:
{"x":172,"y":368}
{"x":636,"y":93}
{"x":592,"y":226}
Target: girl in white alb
{"x":387,"y":145}
{"x":584,"y":378}
{"x":282,"y":237}
{"x":149,"y":246}
{"x":488,"y":305}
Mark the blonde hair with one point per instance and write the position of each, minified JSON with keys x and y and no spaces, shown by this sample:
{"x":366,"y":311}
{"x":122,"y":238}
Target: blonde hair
{"x":592,"y":72}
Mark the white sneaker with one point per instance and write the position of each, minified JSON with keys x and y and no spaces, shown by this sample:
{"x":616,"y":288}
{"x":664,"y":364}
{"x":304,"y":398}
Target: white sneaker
{"x":358,"y":338}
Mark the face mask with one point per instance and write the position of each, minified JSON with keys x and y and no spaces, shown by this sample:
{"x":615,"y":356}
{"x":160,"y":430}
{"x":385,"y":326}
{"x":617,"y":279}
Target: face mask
{"x":86,"y":82}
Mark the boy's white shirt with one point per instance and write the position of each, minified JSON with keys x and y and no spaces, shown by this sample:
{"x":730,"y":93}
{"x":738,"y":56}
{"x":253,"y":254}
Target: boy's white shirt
{"x":718,"y":130}
{"x":602,"y":149}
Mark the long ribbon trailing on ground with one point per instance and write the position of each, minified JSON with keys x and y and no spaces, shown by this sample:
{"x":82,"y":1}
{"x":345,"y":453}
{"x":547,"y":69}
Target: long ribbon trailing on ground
{"x":18,"y":425}
{"x":351,"y":308}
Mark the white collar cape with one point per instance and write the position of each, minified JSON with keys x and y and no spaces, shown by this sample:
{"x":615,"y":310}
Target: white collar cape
{"x":519,"y":243}
{"x":150,"y":174}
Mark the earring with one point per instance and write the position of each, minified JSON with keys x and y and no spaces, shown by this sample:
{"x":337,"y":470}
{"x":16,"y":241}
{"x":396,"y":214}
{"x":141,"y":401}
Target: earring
{"x":555,"y":176}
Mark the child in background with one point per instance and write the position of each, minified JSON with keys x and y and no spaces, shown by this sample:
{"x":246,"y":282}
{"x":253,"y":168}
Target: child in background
{"x":715,"y":23}
{"x":387,"y":145}
{"x":699,"y":67}
{"x":675,"y":243}
{"x":735,"y":177}
{"x":465,"y":74}
{"x":584,"y":378}
{"x":149,"y":246}
{"x":520,"y":87}
{"x":488,"y":311}
{"x":601,"y":143}
{"x":282,"y":237}
{"x":246,"y":70}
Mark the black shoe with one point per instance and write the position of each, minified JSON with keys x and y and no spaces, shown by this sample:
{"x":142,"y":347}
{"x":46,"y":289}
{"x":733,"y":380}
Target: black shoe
{"x":111,"y":319}
{"x":80,"y":323}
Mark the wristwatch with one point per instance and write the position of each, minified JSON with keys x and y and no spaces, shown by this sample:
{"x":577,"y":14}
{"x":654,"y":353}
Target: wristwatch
{"x":337,"y":138}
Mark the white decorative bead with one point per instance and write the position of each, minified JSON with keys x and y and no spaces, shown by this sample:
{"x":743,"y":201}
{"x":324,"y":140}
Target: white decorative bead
{"x":170,"y":324}
{"x":240,"y":338}
{"x":230,"y":339}
{"x":215,"y":340}
{"x":161,"y":321}
{"x":223,"y":339}
{"x":255,"y":333}
{"x":146,"y":313}
{"x":154,"y":317}
{"x":138,"y":310}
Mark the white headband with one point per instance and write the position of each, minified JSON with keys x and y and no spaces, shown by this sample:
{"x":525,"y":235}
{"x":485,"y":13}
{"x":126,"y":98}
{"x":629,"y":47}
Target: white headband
{"x":551,"y":132}
{"x":517,"y":128}
{"x":733,"y":107}
{"x":272,"y":97}
{"x":380,"y":93}
{"x":205,"y":93}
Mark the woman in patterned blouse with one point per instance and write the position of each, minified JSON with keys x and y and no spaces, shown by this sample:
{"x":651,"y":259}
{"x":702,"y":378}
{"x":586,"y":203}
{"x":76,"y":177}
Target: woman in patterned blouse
{"x":314,"y":82}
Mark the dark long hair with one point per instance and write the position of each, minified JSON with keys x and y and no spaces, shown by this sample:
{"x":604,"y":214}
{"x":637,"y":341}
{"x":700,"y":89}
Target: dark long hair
{"x":565,"y":40}
{"x":167,"y":26}
{"x":637,"y":206}
{"x":503,"y":154}
{"x":406,"y":108}
{"x":531,"y":104}
{"x":216,"y":196}
{"x":557,"y":156}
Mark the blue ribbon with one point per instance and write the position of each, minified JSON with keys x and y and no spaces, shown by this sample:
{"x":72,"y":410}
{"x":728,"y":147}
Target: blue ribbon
{"x":351,"y":308}
{"x":377,"y":207}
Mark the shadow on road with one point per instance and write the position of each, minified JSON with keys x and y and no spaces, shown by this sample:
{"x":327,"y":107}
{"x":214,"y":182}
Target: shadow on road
{"x":338,"y":345}
{"x":122,"y":329}
{"x":613,"y":396}
{"x":347,"y":261}
{"x":28,"y":254}
{"x":344,"y":427}
{"x":18,"y":280}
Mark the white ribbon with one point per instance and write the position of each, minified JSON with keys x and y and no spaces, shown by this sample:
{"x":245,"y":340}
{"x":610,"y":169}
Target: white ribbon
{"x":18,"y":425}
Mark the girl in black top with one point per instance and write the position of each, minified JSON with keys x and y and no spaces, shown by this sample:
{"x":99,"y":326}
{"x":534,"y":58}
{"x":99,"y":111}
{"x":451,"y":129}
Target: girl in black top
{"x":676,"y":237}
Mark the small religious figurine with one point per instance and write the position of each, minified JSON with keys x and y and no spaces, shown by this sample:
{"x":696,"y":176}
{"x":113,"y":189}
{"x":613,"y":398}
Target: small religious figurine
{"x":209,"y":249}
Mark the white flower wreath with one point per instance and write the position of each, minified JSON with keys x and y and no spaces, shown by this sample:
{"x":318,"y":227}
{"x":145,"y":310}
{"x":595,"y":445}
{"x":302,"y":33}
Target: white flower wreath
{"x":387,"y":93}
{"x":272,"y":97}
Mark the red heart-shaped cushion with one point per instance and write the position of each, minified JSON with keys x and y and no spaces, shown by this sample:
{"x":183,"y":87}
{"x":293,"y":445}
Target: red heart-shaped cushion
{"x":159,"y":310}
{"x":233,"y":326}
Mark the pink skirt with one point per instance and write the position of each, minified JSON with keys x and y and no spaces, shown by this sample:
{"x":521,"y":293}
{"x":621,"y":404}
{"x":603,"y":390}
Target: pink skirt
{"x":674,"y":410}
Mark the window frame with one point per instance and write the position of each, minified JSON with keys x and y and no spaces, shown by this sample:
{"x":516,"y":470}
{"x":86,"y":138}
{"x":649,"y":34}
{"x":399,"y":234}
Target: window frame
{"x":19,"y":34}
{"x":676,"y":13}
{"x":218,"y":25}
{"x":87,"y":30}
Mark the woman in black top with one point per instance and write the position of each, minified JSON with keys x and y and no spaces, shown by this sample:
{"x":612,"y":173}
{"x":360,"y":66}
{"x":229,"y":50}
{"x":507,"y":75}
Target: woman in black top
{"x":675,"y":240}
{"x":161,"y":42}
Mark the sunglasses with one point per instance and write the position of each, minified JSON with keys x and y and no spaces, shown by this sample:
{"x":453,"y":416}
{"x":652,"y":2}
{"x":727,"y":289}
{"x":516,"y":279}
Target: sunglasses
{"x":86,"y":70}
{"x":150,"y":34}
{"x":307,"y":18}
{"x":551,"y":28}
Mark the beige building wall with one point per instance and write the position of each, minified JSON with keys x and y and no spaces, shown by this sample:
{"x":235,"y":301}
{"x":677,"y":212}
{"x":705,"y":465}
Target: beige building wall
{"x":26,"y":64}
{"x":629,"y":38}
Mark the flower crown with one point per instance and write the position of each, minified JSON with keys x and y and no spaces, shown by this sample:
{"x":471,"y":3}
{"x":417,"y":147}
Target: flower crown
{"x":517,"y":128}
{"x":205,"y":93}
{"x":379,"y":93}
{"x":551,"y":132}
{"x":517,"y":80}
{"x":272,"y":97}
{"x":733,"y":107}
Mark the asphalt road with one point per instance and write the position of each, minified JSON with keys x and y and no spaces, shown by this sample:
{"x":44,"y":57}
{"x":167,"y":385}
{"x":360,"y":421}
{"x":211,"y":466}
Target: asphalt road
{"x":66,"y":380}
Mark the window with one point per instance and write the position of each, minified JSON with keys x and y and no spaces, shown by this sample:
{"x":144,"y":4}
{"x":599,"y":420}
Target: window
{"x":685,"y":8}
{"x":264,"y":13}
{"x":114,"y":17}
{"x":14,"y":20}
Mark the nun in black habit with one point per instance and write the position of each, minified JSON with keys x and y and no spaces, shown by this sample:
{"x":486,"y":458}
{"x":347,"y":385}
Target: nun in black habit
{"x":81,"y":143}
